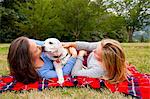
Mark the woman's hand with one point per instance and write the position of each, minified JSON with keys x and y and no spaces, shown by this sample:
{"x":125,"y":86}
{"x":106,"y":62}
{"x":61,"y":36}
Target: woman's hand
{"x":73,"y":51}
{"x":82,"y":53}
{"x":69,"y":44}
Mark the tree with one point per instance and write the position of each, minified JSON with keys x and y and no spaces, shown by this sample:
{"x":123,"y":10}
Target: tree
{"x":135,"y":13}
{"x":39,"y":20}
{"x":112,"y":26}
{"x":81,"y":18}
{"x":8,"y":17}
{"x":76,"y":16}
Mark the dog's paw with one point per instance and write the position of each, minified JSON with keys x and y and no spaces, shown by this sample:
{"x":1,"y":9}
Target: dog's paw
{"x":60,"y":81}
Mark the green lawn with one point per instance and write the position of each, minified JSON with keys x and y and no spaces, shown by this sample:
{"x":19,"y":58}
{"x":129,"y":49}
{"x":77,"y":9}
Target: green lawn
{"x":136,"y":53}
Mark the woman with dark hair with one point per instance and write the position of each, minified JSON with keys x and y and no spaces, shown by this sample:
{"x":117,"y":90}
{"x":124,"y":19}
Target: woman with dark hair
{"x":26,"y":59}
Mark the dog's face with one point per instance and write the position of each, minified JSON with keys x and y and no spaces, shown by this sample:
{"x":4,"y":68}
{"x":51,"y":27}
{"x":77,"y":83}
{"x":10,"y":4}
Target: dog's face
{"x":53,"y":47}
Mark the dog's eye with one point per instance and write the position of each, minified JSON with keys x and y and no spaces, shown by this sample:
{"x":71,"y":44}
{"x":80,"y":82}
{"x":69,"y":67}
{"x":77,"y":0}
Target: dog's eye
{"x":50,"y":43}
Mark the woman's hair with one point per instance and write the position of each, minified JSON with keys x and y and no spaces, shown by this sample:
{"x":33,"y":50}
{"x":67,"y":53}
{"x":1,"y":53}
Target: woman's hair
{"x":113,"y":58}
{"x":21,"y":62}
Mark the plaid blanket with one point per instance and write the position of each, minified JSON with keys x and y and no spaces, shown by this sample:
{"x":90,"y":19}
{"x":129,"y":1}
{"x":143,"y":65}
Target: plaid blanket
{"x":138,"y":84}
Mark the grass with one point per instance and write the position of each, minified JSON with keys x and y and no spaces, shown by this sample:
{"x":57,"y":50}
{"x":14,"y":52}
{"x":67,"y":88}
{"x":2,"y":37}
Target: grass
{"x":136,"y":53}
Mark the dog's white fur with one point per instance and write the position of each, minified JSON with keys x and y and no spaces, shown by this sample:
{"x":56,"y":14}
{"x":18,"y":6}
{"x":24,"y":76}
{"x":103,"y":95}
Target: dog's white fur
{"x":53,"y":48}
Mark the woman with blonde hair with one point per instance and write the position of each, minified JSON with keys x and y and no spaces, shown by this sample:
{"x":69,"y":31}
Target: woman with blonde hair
{"x":106,"y":60}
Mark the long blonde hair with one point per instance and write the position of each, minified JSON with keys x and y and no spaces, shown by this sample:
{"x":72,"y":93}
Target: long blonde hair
{"x":113,"y":59}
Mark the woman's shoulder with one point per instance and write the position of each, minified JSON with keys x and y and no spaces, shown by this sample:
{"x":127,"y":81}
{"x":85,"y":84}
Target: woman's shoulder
{"x":38,"y":42}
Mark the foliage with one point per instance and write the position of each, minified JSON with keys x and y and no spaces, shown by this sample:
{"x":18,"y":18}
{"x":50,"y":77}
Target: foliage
{"x":75,"y":15}
{"x":8,"y":17}
{"x":135,"y":13}
{"x":70,"y":20}
{"x":38,"y":19}
{"x":113,"y":27}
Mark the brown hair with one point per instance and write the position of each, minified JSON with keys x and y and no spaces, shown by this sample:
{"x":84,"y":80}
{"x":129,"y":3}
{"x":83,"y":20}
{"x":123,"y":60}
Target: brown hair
{"x":113,"y":58}
{"x":21,"y":62}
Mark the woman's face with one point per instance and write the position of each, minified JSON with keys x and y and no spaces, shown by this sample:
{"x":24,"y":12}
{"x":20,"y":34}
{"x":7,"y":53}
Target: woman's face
{"x":35,"y":49}
{"x":98,"y":52}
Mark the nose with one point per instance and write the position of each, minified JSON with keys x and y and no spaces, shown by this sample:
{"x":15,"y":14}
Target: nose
{"x":45,"y":48}
{"x":42,"y":48}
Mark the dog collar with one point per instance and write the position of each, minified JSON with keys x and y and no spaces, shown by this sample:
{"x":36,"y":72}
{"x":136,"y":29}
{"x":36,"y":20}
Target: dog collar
{"x":64,"y":56}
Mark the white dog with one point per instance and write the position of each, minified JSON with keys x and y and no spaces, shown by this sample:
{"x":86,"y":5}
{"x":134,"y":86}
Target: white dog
{"x":55,"y":51}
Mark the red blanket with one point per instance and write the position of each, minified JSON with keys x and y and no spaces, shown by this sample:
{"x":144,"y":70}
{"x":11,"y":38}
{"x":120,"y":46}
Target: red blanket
{"x":138,"y":84}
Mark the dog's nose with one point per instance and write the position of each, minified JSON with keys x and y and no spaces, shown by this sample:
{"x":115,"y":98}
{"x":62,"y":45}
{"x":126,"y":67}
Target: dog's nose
{"x":43,"y":48}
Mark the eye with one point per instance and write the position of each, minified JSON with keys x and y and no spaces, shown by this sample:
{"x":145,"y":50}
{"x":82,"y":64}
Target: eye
{"x":50,"y":43}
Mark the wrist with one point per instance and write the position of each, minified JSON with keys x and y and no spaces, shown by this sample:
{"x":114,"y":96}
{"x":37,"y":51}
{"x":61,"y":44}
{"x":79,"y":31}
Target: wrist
{"x":80,"y":58}
{"x":74,"y":55}
{"x":80,"y":54}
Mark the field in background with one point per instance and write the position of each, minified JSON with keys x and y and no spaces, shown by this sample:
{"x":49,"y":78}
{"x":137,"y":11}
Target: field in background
{"x":136,"y":53}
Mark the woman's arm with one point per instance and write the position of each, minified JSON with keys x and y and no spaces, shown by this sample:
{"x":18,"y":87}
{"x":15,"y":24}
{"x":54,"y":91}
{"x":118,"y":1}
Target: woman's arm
{"x":70,"y":63}
{"x":81,"y":45}
{"x":46,"y":72}
{"x":93,"y":69}
{"x":94,"y":72}
{"x":78,"y":66}
{"x":68,"y":66}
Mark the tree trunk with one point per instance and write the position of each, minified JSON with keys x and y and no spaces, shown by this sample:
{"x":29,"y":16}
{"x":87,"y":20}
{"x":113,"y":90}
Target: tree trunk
{"x":130,"y":31}
{"x":130,"y":35}
{"x":76,"y":35}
